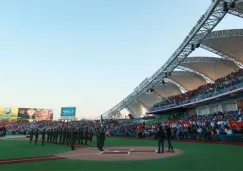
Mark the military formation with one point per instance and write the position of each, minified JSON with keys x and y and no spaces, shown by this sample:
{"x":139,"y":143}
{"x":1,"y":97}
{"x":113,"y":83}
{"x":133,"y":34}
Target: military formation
{"x":69,"y":136}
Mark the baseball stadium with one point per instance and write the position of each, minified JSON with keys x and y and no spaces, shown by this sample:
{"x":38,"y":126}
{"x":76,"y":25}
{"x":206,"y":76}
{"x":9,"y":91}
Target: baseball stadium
{"x":193,"y":117}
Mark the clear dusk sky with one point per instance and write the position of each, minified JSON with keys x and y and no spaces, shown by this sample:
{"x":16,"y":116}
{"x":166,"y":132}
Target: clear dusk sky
{"x":88,"y":53}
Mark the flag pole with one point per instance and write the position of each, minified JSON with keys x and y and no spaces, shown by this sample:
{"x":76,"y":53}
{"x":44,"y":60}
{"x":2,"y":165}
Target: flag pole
{"x":101,"y":120}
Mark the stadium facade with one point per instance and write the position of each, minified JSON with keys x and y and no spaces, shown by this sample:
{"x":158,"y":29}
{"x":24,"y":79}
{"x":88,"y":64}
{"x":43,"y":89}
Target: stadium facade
{"x":182,"y":73}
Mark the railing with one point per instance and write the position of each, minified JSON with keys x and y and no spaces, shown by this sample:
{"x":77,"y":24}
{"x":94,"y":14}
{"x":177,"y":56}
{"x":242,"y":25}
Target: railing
{"x":199,"y":97}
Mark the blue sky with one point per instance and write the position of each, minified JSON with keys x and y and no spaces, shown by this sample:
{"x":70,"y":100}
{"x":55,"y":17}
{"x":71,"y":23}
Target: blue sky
{"x":89,"y":54}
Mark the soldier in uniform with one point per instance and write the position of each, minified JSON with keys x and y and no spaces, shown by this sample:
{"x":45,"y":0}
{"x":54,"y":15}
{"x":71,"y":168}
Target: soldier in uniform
{"x":73,"y":138}
{"x":68,"y":136}
{"x":57,"y":135}
{"x":64,"y":135}
{"x":86,"y":135}
{"x":36,"y":135}
{"x":91,"y":134}
{"x":97,"y":137}
{"x":54,"y":135}
{"x":60,"y":133}
{"x":80,"y":135}
{"x":51,"y":135}
{"x":43,"y":136}
{"x":48,"y":135}
{"x":31,"y":135}
{"x":101,"y":140}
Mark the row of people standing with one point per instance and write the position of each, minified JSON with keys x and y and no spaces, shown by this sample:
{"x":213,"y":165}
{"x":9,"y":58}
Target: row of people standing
{"x":62,"y":135}
{"x":70,"y":136}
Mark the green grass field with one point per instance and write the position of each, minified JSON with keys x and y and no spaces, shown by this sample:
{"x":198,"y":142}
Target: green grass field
{"x":196,"y":156}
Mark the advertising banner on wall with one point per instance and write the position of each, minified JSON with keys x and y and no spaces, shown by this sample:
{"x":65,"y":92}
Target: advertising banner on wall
{"x":35,"y":114}
{"x":26,"y":113}
{"x":68,"y":112}
{"x":44,"y":114}
{"x":8,"y":113}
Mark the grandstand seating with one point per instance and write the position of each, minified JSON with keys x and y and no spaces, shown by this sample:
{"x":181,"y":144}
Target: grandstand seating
{"x":222,"y":85}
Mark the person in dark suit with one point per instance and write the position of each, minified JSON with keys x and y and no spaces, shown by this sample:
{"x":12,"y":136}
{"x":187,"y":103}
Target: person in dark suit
{"x":161,"y":139}
{"x":168,"y":135}
{"x":101,"y":140}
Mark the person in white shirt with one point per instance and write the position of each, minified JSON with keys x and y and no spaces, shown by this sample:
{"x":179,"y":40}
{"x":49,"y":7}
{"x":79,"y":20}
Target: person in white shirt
{"x":229,"y":131}
{"x":220,"y":122}
{"x":217,"y":131}
{"x":240,"y":119}
{"x":152,"y":133}
{"x":212,"y":124}
{"x":199,"y":131}
{"x":239,"y":112}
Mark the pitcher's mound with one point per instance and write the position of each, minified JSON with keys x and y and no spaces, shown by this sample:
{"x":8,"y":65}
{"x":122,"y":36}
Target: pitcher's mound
{"x":118,"y":153}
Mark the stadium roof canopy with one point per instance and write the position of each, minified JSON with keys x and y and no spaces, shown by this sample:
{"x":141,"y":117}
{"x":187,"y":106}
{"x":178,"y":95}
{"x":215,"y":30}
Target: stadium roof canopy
{"x":195,"y":71}
{"x":211,"y":67}
{"x":222,"y":43}
{"x":225,"y":42}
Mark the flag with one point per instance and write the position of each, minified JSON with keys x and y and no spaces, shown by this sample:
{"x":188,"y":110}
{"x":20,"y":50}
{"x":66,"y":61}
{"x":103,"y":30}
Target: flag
{"x":101,"y":120}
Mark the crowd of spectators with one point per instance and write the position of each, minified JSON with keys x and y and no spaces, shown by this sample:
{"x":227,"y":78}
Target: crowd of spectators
{"x":201,"y":127}
{"x":207,"y":90}
{"x":114,"y":127}
{"x":183,"y":127}
{"x":2,"y":131}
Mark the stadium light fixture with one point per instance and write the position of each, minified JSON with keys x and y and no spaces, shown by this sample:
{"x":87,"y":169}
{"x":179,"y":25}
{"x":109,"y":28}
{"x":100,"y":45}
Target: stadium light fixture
{"x":225,"y":6}
{"x":232,"y":5}
{"x":198,"y":45}
{"x":192,"y":47}
{"x":150,"y":90}
{"x":166,"y":75}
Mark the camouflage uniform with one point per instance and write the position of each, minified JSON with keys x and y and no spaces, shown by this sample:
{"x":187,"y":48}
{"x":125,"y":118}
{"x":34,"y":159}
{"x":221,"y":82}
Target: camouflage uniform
{"x":36,"y":135}
{"x":80,"y":135}
{"x":64,"y":135}
{"x":31,"y":135}
{"x":43,"y":136}
{"x":73,"y":138}
{"x":48,"y":135}
{"x":60,"y":133}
